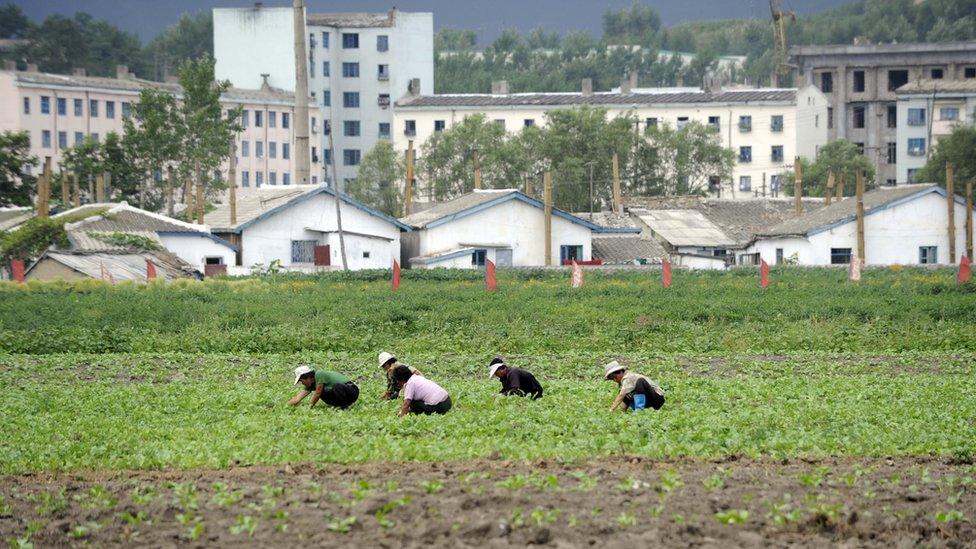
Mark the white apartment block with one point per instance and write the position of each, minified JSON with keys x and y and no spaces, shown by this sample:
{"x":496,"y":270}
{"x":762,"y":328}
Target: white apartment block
{"x":929,"y":109}
{"x":766,"y":128}
{"x":359,"y":64}
{"x":59,"y":111}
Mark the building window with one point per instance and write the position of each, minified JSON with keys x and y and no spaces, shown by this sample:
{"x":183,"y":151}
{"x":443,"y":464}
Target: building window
{"x":63,"y":140}
{"x":937,"y":74}
{"x":384,"y":130}
{"x":327,"y":156}
{"x":410,"y":127}
{"x":382,"y":43}
{"x":79,"y":107}
{"x":350,"y":40}
{"x":682,"y":122}
{"x":350,"y":70}
{"x":245,"y":149}
{"x":779,"y":256}
{"x":45,"y":104}
{"x":286,"y":178}
{"x":500,"y":122}
{"x":840,"y":256}
{"x":949,"y":113}
{"x":774,"y":183}
{"x":94,"y":137}
{"x":258,"y":119}
{"x":916,"y":117}
{"x":350,"y":157}
{"x":272,"y":149}
{"x":79,"y":137}
{"x":572,"y":252}
{"x":27,"y":105}
{"x":892,"y":116}
{"x":313,"y":126}
{"x":969,"y":72}
{"x":858,"y":81}
{"x":285,"y":120}
{"x":777,"y":153}
{"x":383,"y":72}
{"x":439,"y":125}
{"x":928,"y":255}
{"x":897,"y":79}
{"x":126,"y":109}
{"x":46,"y":139}
{"x":913,"y":175}
{"x":745,"y":154}
{"x":350,"y":100}
{"x":827,"y":82}
{"x":858,"y":116}
{"x":860,"y":147}
{"x":325,"y":68}
{"x":745,"y":183}
{"x":62,"y":106}
{"x":245,"y":118}
{"x":715,"y":123}
{"x":258,"y":179}
{"x":528,"y":122}
{"x":776,"y":123}
{"x":286,"y":151}
{"x":245,"y":178}
{"x":478,"y":257}
{"x":110,"y":109}
{"x":326,"y":98}
{"x":745,"y":123}
{"x":272,"y":119}
{"x":916,"y":146}
{"x":259,"y":149}
{"x":892,"y":156}
{"x":325,"y":39}
{"x":303,"y":251}
{"x":651,"y":122}
{"x":350,"y":128}
{"x":890,"y":182}
{"x":311,"y":64}
{"x":830,"y":118}
{"x":272,"y":178}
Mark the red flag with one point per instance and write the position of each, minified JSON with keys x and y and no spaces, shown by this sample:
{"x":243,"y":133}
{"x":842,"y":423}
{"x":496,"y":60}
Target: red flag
{"x":763,"y":273}
{"x":666,"y":273}
{"x":490,"y":284}
{"x":17,"y":269}
{"x":577,"y":279}
{"x":396,"y":275}
{"x":965,"y":270}
{"x":150,"y":270}
{"x":854,"y":271}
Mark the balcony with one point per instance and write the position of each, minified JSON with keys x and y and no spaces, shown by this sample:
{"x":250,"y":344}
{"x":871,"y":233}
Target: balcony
{"x":383,"y":76}
{"x":383,"y":101}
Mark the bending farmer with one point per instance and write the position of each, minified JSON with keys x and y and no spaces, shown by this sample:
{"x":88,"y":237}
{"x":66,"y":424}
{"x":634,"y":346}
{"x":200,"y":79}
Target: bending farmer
{"x":332,"y":388}
{"x":420,"y":395}
{"x":515,"y":381}
{"x":388,"y":362}
{"x":636,"y":391}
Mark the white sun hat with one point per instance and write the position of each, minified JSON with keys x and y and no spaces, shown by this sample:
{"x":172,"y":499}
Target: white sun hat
{"x":494,"y":368}
{"x":611,"y":368}
{"x":385,"y":357}
{"x":300,"y":371}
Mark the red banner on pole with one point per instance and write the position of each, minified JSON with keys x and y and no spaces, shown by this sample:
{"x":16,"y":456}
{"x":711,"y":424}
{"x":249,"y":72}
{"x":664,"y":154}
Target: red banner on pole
{"x":577,"y":280}
{"x":490,"y":284}
{"x":854,"y":271}
{"x":965,"y":270}
{"x":763,"y":273}
{"x":17,"y":269}
{"x":150,"y":270}
{"x":666,"y":274}
{"x":396,"y":275}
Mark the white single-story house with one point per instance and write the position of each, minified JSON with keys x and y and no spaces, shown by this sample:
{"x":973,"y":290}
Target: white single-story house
{"x":903,"y":225}
{"x":504,"y":226}
{"x":296,"y":227}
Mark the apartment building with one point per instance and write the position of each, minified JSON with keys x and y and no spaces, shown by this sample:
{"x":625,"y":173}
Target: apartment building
{"x":930,"y":109}
{"x":359,"y":64}
{"x":59,"y":111}
{"x":766,"y":128}
{"x":860,"y":82}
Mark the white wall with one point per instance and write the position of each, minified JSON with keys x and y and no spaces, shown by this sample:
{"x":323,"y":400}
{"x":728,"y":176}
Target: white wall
{"x":933,"y":128}
{"x":195,"y":248}
{"x":249,"y":42}
{"x":698,"y":262}
{"x":270,"y":238}
{"x":892,"y":236}
{"x":512,"y":224}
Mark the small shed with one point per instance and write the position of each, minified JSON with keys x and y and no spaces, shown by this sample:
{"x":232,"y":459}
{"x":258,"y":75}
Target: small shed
{"x":115,"y":266}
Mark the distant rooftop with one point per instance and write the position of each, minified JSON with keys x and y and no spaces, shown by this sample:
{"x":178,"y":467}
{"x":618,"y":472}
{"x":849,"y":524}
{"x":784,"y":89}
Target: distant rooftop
{"x":600,"y":98}
{"x":929,"y":86}
{"x":907,"y":47}
{"x":351,"y":20}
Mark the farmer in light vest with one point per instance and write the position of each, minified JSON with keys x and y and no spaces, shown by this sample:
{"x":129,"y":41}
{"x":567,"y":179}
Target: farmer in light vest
{"x":388,"y":362}
{"x":515,"y":381}
{"x":331,"y":388}
{"x":420,"y":395}
{"x":637,"y":392}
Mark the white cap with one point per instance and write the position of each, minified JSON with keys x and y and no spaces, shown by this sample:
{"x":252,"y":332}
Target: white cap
{"x":611,"y":368}
{"x":300,"y":371}
{"x":385,"y":357}
{"x":494,"y":368}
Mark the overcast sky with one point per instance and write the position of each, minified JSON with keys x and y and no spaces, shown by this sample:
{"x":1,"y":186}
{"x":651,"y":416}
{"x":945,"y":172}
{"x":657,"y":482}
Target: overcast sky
{"x":148,"y":17}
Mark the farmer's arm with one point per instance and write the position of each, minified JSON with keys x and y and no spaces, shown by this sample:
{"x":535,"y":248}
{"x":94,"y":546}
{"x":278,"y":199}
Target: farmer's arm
{"x":617,"y":402}
{"x":317,"y":395}
{"x":298,"y":398}
{"x":405,"y":409}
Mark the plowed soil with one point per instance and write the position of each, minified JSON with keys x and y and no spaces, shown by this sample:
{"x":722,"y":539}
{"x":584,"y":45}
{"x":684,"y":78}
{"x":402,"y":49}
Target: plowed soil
{"x":619,"y":502}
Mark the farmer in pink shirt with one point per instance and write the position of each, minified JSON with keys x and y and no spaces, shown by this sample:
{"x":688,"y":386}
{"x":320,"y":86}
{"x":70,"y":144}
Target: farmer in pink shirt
{"x":420,"y":395}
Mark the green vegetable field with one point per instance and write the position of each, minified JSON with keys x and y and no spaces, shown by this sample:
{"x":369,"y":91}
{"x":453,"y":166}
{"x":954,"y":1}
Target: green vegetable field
{"x":194,"y":377}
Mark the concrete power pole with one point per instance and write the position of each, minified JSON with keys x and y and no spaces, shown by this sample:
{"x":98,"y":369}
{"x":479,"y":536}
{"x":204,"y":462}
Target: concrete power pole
{"x":303,"y":164}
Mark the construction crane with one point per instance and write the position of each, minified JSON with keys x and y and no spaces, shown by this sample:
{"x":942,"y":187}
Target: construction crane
{"x":783,"y":68}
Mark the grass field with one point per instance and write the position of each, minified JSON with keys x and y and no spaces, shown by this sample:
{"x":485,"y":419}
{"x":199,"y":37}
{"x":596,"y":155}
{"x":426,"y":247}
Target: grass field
{"x":101,"y":380}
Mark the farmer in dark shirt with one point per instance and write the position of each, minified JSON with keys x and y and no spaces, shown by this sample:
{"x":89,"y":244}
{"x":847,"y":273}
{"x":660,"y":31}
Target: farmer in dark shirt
{"x":515,"y":381}
{"x":332,"y":388}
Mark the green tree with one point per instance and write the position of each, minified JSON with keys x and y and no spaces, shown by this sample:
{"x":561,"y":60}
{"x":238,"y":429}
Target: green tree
{"x":959,"y":147}
{"x":16,"y":185}
{"x":191,"y":37}
{"x":85,"y":160}
{"x":673,"y":161}
{"x":60,"y":44}
{"x":377,"y":183}
{"x":125,"y":178}
{"x":13,"y":22}
{"x":839,"y":157}
{"x":446,"y":159}
{"x":630,"y":25}
{"x":152,"y":142}
{"x":455,"y":40}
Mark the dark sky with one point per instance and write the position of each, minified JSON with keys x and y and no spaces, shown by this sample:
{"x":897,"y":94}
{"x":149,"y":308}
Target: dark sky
{"x":148,"y":17}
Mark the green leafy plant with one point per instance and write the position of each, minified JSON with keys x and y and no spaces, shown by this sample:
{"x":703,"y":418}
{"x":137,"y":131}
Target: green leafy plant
{"x":342,"y":526}
{"x":732,"y":516}
{"x":244,"y":524}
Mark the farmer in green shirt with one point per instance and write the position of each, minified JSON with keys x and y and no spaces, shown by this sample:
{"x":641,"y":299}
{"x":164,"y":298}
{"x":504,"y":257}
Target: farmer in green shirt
{"x":332,"y":388}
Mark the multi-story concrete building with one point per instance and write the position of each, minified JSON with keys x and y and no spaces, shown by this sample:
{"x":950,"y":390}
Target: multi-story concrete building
{"x":359,"y":64}
{"x":59,"y":111}
{"x":860,"y":83}
{"x":766,"y":128}
{"x":930,"y":109}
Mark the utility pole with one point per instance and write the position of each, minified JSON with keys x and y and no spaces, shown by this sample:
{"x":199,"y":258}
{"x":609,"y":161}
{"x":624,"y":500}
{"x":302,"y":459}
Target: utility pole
{"x":969,"y":219}
{"x":591,"y":192}
{"x":860,"y":215}
{"x":338,"y":200}
{"x":44,"y":189}
{"x":408,"y":185}
{"x":232,"y":181}
{"x":618,"y":207}
{"x":547,"y":208}
{"x":797,"y":186}
{"x":100,"y":188}
{"x":951,"y":212}
{"x":303,"y":162}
